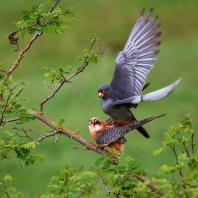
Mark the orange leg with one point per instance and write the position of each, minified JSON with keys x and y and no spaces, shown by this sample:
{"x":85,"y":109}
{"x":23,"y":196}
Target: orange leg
{"x":101,"y":147}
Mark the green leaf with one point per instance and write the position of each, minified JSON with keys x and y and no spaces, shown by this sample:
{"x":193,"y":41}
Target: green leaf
{"x":38,"y":157}
{"x":61,"y":121}
{"x":18,"y":106}
{"x":19,"y":154}
{"x":27,"y":163}
{"x":121,"y":168}
{"x":1,"y":64}
{"x":107,"y":163}
{"x":22,"y":118}
{"x":40,"y":7}
{"x":158,"y":151}
{"x":7,"y":178}
{"x":23,"y":111}
{"x":127,"y":183}
{"x":99,"y":161}
{"x":134,"y":164}
{"x":25,"y":151}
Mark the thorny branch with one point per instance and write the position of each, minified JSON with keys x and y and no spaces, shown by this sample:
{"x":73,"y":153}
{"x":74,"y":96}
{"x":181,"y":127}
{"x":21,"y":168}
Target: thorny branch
{"x":52,"y":94}
{"x":89,"y":146}
{"x":177,"y":162}
{"x":5,"y":106}
{"x":105,"y":187}
{"x":151,"y":184}
{"x":10,"y":120}
{"x":61,"y":130}
{"x":64,"y":80}
{"x":25,"y":132}
{"x":192,"y":143}
{"x":85,"y":63}
{"x":21,"y":54}
{"x":5,"y":187}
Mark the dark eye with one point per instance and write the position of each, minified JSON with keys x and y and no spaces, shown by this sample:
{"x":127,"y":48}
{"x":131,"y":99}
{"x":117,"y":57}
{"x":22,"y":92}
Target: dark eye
{"x":96,"y":121}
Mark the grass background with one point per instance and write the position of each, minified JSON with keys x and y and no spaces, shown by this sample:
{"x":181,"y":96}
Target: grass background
{"x":110,"y":20}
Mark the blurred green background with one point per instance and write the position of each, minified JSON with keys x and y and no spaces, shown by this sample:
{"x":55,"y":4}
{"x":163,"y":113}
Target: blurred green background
{"x":110,"y":20}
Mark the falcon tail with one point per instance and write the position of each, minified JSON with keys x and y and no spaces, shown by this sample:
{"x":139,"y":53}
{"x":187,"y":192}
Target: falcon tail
{"x":138,"y":125}
{"x":143,"y":132}
{"x":161,"y":93}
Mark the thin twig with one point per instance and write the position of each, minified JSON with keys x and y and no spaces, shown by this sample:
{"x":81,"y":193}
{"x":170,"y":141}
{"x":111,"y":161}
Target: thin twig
{"x":21,"y":54}
{"x":24,"y":131}
{"x":20,"y":164}
{"x":51,"y":95}
{"x":53,"y":7}
{"x":64,"y":80}
{"x":192,"y":143}
{"x":61,"y":130}
{"x":5,"y":188}
{"x":75,"y":147}
{"x":186,"y":149}
{"x":5,"y":106}
{"x":85,"y":61}
{"x":105,"y":187}
{"x":4,"y":122}
{"x":177,"y":162}
{"x":88,"y":105}
{"x":49,"y":135}
{"x":56,"y":139}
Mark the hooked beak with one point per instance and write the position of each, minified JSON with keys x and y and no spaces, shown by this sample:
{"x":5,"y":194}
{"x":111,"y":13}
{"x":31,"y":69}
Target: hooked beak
{"x":101,"y":94}
{"x":90,"y":122}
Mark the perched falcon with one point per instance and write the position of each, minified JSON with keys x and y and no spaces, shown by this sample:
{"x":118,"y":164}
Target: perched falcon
{"x":132,"y":67}
{"x":107,"y":134}
{"x":96,"y":126}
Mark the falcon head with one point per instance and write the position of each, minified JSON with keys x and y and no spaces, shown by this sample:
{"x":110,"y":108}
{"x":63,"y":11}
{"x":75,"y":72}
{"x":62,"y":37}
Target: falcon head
{"x":95,"y":124}
{"x":104,"y":91}
{"x":94,"y":121}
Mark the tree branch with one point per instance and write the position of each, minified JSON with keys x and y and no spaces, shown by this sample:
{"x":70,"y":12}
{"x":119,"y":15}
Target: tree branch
{"x":177,"y":162}
{"x":192,"y":143}
{"x":105,"y":187}
{"x":10,"y":120}
{"x":85,"y":63}
{"x":21,"y":54}
{"x":63,"y":80}
{"x":151,"y":184}
{"x":51,"y":95}
{"x":61,"y":130}
{"x":53,"y":7}
{"x":75,"y":135}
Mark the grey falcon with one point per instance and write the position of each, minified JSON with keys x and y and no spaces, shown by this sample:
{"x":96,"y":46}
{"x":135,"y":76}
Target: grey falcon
{"x":133,"y":64}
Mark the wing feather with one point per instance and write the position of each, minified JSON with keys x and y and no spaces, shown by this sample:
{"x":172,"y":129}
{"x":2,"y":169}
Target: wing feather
{"x":137,"y":58}
{"x":110,"y":135}
{"x":161,"y":93}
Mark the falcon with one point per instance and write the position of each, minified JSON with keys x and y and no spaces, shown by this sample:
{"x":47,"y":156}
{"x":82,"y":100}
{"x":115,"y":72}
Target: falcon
{"x":106,"y":134}
{"x":133,"y":64}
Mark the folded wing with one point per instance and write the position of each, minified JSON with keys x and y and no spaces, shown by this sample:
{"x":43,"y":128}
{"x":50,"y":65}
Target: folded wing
{"x":110,"y":135}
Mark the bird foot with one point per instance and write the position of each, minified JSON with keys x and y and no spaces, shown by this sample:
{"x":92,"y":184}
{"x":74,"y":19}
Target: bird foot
{"x":101,"y":147}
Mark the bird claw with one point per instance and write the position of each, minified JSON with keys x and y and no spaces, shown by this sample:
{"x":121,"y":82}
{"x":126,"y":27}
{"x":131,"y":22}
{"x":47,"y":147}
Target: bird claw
{"x":100,"y":147}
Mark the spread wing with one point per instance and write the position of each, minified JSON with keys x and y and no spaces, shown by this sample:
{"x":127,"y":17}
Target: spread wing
{"x":113,"y":134}
{"x":137,"y":58}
